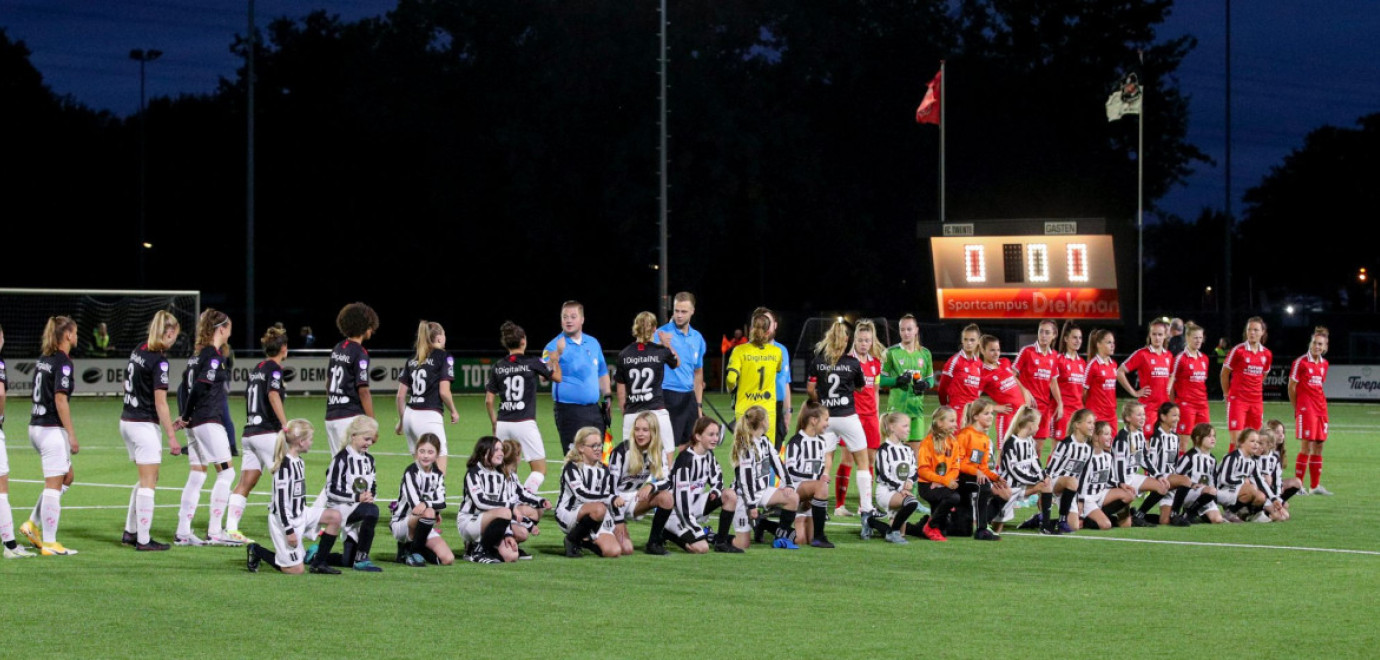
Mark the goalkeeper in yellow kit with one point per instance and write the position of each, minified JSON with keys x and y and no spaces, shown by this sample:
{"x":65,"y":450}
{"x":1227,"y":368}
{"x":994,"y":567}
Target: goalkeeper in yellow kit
{"x":752,"y":369}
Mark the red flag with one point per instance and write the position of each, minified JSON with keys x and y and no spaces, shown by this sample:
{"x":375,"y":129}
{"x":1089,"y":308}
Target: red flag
{"x":928,"y":112}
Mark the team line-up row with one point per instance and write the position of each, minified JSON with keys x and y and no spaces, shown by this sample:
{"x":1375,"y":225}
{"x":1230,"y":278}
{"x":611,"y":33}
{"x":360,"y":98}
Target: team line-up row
{"x":843,"y":383}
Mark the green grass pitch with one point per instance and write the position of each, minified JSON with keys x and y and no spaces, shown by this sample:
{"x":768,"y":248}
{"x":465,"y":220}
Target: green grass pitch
{"x":1247,"y":590}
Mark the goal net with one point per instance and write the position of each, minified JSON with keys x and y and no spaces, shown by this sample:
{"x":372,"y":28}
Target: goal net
{"x":126,"y":315}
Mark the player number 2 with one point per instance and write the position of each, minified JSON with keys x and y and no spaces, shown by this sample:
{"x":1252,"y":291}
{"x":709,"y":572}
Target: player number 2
{"x":834,"y":382}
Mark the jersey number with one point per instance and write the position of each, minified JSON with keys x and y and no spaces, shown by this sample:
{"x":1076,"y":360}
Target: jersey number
{"x":252,"y":397}
{"x":38,"y":387}
{"x":514,"y":387}
{"x":834,"y":383}
{"x":641,"y":382}
{"x":130,"y":400}
{"x":418,"y":382}
{"x":337,"y":378}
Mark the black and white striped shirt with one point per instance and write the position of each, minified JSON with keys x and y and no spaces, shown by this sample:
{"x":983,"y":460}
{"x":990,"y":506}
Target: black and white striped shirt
{"x":1020,"y":462}
{"x":485,"y":489}
{"x":1271,"y":470}
{"x":289,"y":493}
{"x":752,"y":473}
{"x":582,"y":483}
{"x":1199,"y":466}
{"x":1266,"y":475}
{"x":1099,"y":475}
{"x":626,"y":482}
{"x":694,"y":478}
{"x":1161,"y":452}
{"x":515,"y":493}
{"x":419,"y":487}
{"x":895,"y":465}
{"x":1128,"y":453}
{"x":1235,"y":469}
{"x":1068,"y":459}
{"x":805,"y":456}
{"x":351,"y":474}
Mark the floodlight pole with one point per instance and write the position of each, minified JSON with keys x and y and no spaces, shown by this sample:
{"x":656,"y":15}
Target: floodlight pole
{"x":249,"y":187}
{"x":143,"y":57}
{"x":662,"y":271}
{"x":1226,"y":239}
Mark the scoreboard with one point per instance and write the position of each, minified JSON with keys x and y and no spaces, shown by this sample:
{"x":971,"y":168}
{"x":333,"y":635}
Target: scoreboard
{"x":1071,"y":276}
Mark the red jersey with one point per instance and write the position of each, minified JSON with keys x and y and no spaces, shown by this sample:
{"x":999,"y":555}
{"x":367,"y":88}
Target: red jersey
{"x":865,"y":397}
{"x":1072,"y":374}
{"x":1309,"y":376}
{"x":1248,"y":369}
{"x":1035,"y":369}
{"x":1152,"y":369}
{"x":1100,"y":382}
{"x":960,"y":380}
{"x":1190,"y":379}
{"x":999,"y":382}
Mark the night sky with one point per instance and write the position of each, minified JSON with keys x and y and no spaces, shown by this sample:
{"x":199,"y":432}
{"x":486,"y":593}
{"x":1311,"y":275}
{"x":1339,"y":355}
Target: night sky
{"x":1296,"y":66}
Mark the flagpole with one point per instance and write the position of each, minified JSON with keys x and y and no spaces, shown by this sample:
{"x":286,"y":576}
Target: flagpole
{"x":1140,"y":203}
{"x":943,"y":117}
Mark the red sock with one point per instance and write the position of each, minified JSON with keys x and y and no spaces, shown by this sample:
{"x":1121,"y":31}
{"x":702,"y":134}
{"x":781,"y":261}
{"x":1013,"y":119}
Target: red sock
{"x":841,"y":484}
{"x":1314,"y":470}
{"x":1300,"y":465}
{"x":1231,"y":447}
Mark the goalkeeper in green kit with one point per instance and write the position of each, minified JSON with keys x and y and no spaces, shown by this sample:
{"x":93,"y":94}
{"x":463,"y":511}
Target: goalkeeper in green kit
{"x":908,"y":370}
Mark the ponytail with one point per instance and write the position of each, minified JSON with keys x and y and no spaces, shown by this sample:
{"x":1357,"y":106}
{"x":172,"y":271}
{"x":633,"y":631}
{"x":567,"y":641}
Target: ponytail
{"x":427,"y":332}
{"x":296,"y":431}
{"x":53,"y":331}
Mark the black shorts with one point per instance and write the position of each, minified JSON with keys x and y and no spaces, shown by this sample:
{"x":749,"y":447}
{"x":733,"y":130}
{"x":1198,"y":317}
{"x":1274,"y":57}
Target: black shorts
{"x":571,"y":417}
{"x":684,"y":412}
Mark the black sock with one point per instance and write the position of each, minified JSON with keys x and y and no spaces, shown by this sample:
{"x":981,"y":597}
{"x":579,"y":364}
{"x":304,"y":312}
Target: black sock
{"x":368,"y":514}
{"x":580,"y":530}
{"x":421,"y":533}
{"x":1112,"y":508}
{"x":1065,"y":504}
{"x":658,"y":525}
{"x":1150,"y":501}
{"x":907,"y":510}
{"x":493,"y":533}
{"x":818,"y":516}
{"x":1180,"y":494}
{"x":725,"y":525}
{"x":713,"y":505}
{"x":1046,"y":500}
{"x":1196,"y":509}
{"x":323,"y":549}
{"x":786,"y":528}
{"x":266,"y":555}
{"x":11,"y":544}
{"x":1288,"y":493}
{"x":984,"y":504}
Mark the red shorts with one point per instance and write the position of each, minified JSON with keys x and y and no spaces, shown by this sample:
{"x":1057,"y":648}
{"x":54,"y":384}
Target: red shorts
{"x":1152,"y":414}
{"x":1046,"y":421}
{"x":1191,"y":415}
{"x":1001,"y":427}
{"x":1310,"y":426}
{"x":1108,"y":416}
{"x":1244,"y":414}
{"x":872,"y":428}
{"x":1061,"y":425}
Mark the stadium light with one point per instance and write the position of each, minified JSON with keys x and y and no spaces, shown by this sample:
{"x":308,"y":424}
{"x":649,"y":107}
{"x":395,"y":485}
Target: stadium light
{"x":143,"y":57}
{"x":1289,"y":309}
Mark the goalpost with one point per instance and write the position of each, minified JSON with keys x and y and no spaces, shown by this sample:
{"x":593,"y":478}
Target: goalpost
{"x":125,"y":313}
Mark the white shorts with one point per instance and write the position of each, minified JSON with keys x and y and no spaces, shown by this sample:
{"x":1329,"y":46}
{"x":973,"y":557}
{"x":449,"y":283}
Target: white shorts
{"x":694,"y":529}
{"x":208,"y":444}
{"x":51,"y":444}
{"x":417,"y":423}
{"x":285,"y":555}
{"x":566,"y":519}
{"x":623,"y":513}
{"x":883,"y":495}
{"x":469,"y":527}
{"x":663,"y":419}
{"x":258,"y":451}
{"x":849,"y":429}
{"x":1008,"y":510}
{"x":1091,"y":503}
{"x":402,"y":534}
{"x":142,"y":441}
{"x":527,"y":435}
{"x":1193,"y":497}
{"x":335,"y":433}
{"x":4,"y":457}
{"x":1227,"y":497}
{"x":1134,"y":481}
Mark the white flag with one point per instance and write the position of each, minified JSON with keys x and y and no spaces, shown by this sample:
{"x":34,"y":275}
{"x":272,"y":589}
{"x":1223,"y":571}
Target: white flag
{"x":1126,"y":99}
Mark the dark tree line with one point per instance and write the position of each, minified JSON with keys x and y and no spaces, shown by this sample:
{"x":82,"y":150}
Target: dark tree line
{"x":470,"y":161}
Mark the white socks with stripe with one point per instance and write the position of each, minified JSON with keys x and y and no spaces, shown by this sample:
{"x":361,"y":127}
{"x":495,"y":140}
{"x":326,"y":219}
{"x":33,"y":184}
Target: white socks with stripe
{"x":232,"y":517}
{"x":143,"y":511}
{"x":191,"y":498}
{"x":52,"y":512}
{"x":220,"y":500}
{"x":534,"y":482}
{"x":864,"y":478}
{"x":6,"y":520}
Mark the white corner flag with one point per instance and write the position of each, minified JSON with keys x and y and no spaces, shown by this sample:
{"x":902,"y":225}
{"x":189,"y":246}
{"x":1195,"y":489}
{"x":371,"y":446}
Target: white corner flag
{"x":1126,"y":99}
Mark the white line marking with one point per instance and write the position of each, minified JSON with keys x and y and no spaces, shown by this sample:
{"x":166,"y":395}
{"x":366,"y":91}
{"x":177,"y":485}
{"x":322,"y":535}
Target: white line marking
{"x":1202,"y":543}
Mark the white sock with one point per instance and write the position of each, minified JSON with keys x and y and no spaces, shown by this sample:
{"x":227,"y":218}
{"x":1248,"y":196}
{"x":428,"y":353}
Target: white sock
{"x":131,"y":515}
{"x":236,"y":511}
{"x":320,"y":501}
{"x":52,"y":512}
{"x":220,"y":499}
{"x":534,"y":482}
{"x":143,"y":511}
{"x":6,"y":520}
{"x":191,"y":498}
{"x":864,"y":479}
{"x":36,"y":516}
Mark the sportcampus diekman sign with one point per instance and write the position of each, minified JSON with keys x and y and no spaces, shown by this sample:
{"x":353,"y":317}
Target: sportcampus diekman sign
{"x":307,"y":375}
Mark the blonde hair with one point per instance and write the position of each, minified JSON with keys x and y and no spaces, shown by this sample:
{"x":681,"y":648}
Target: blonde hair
{"x":573,"y":456}
{"x":655,"y":462}
{"x":889,"y":419}
{"x":866,"y":325}
{"x":360,"y":425}
{"x":427,"y":332}
{"x":977,"y":407}
{"x":1129,"y":408}
{"x":752,"y":425}
{"x":296,"y":431}
{"x":53,"y":331}
{"x":512,"y":455}
{"x":644,"y":327}
{"x":1078,"y":415}
{"x":1099,"y":427}
{"x":834,"y":343}
{"x":206,"y":325}
{"x":162,"y":322}
{"x":938,"y":435}
{"x":1025,"y":416}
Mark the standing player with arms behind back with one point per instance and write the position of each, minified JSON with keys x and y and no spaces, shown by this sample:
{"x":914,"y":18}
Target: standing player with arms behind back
{"x":1307,"y":379}
{"x":423,"y":387}
{"x":1188,"y":385}
{"x":640,"y":369}
{"x":1073,"y":372}
{"x":962,"y":375}
{"x":1101,"y":378}
{"x":1037,"y":367}
{"x":752,"y":371}
{"x":513,"y":386}
{"x":1152,"y":365}
{"x":145,"y":413}
{"x":12,"y":549}
{"x":264,"y":418}
{"x":834,"y":378}
{"x":1243,"y":380}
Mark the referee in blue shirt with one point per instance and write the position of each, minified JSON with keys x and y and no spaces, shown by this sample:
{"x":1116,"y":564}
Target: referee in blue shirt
{"x":584,"y":377}
{"x":683,"y":386}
